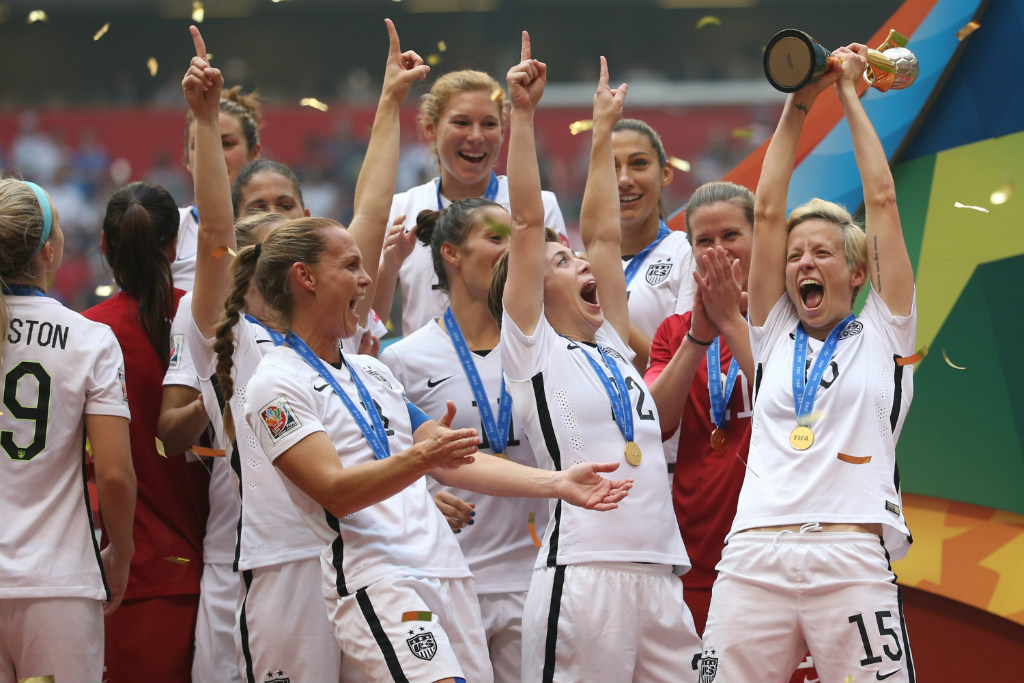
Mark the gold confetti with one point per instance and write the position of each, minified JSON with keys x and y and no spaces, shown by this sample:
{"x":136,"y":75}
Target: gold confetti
{"x":37,"y":15}
{"x":951,"y":363}
{"x":205,"y":452}
{"x":744,"y":133}
{"x":152,"y":66}
{"x":531,"y":524}
{"x":48,"y":678}
{"x":102,"y":32}
{"x":177,"y":560}
{"x":220,"y":251}
{"x":160,"y":447}
{"x":969,"y":28}
{"x":198,"y":11}
{"x":577,"y":127}
{"x":496,"y":227}
{"x":958,"y":205}
{"x":277,"y":1}
{"x":682,"y":164}
{"x":708,"y":21}
{"x":497,"y":94}
{"x":313,"y":102}
{"x":434,"y":59}
{"x":916,"y":358}
{"x":1002,"y":195}
{"x":104,"y":290}
{"x":848,"y":679}
{"x":441,"y":46}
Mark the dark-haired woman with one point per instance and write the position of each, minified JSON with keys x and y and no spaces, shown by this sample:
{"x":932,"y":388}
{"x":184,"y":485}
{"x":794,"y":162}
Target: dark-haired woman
{"x":150,"y":637}
{"x":456,"y":357}
{"x":62,"y":382}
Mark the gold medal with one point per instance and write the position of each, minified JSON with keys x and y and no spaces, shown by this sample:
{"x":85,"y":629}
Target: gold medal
{"x":633,"y":454}
{"x":719,"y":439}
{"x":801,"y":438}
{"x":500,"y":455}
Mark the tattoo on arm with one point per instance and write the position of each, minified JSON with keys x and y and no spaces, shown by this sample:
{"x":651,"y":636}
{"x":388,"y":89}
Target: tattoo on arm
{"x":804,"y":108}
{"x":878,"y":269}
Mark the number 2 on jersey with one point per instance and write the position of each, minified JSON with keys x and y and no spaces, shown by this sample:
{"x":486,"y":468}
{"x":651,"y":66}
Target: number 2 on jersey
{"x":38,"y":413}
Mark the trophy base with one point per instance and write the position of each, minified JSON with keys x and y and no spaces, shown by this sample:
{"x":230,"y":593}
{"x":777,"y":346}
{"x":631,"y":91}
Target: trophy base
{"x":792,"y":60}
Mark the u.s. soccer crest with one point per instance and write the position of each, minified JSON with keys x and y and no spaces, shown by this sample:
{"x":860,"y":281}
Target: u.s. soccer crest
{"x":708,"y":668}
{"x":279,"y":418}
{"x":423,"y":645}
{"x":278,"y":677}
{"x":657,"y":272}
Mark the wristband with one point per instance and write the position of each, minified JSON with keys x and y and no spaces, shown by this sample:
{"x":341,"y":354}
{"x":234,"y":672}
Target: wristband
{"x":697,"y":341}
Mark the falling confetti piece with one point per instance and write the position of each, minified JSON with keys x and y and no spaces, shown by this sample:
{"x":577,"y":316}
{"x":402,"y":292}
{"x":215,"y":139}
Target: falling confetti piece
{"x":152,"y":65}
{"x":37,"y":15}
{"x":969,"y":28}
{"x":532,"y":526}
{"x":682,"y":164}
{"x":577,"y":127}
{"x":441,"y":46}
{"x":916,"y":358}
{"x":48,"y":678}
{"x":958,"y":205}
{"x":177,"y":560}
{"x":433,"y":60}
{"x":104,"y":290}
{"x":497,"y":227}
{"x":102,"y":32}
{"x":198,"y":11}
{"x":205,"y":452}
{"x":313,"y":102}
{"x":848,"y":679}
{"x":1002,"y":195}
{"x":744,"y":133}
{"x":160,"y":447}
{"x":708,"y":21}
{"x":220,"y":251}
{"x":951,"y":363}
{"x":277,"y":1}
{"x":497,"y":94}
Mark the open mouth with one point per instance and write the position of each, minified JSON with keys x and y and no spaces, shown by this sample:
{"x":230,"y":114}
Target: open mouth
{"x":812,"y":293}
{"x":473,"y":157}
{"x":629,"y":198}
{"x":589,"y":292}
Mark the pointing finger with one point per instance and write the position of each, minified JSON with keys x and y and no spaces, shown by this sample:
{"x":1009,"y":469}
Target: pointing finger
{"x":394,"y":49}
{"x":197,"y":39}
{"x":602,"y":83}
{"x":525,"y":51}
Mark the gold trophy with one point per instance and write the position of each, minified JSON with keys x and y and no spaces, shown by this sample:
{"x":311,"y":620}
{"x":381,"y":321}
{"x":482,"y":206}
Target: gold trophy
{"x":793,"y":59}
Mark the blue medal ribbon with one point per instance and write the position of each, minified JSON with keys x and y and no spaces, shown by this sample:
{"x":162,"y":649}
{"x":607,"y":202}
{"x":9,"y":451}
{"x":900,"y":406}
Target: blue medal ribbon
{"x":22,"y":290}
{"x":803,"y":395}
{"x":195,"y":213}
{"x":619,"y":399}
{"x":276,"y":336}
{"x":490,"y":193}
{"x":375,"y":433}
{"x":497,"y":431}
{"x":719,"y":396}
{"x":638,"y":260}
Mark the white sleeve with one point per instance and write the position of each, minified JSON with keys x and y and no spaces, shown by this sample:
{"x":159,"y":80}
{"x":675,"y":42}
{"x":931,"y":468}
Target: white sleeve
{"x":899,"y":332}
{"x":687,"y":264}
{"x":524,"y":356}
{"x":105,"y":390}
{"x":181,"y":370}
{"x":279,"y":409}
{"x":552,"y":214}
{"x":780,"y":321}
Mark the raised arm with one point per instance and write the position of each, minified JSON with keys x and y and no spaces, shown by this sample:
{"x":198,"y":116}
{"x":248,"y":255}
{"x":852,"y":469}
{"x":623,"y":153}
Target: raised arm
{"x":524,"y":289}
{"x":768,"y":254}
{"x":202,"y":85}
{"x":375,"y":186}
{"x":599,"y":214}
{"x":892,"y":275}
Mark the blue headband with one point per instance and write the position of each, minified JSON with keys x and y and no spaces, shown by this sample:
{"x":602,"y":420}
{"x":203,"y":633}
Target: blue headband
{"x":44,"y":206}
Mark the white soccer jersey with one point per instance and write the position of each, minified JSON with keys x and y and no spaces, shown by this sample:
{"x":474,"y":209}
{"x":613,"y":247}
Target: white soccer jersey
{"x":498,"y":546}
{"x":567,"y":416}
{"x":422,"y":301}
{"x":183,"y":268}
{"x":404,"y":535}
{"x":57,"y":367}
{"x":272,"y":531}
{"x":849,"y":474}
{"x":663,"y":285}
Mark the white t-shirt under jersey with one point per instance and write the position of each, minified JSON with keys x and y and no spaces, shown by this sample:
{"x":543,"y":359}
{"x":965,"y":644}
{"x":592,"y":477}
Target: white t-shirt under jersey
{"x":183,"y":268}
{"x":663,"y":285}
{"x":57,"y":368}
{"x":498,"y":546}
{"x":422,"y":301}
{"x":849,"y":474}
{"x":404,"y":535}
{"x":567,"y":416}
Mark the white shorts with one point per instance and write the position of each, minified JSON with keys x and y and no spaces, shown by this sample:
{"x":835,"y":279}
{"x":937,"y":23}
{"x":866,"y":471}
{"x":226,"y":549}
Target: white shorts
{"x":609,"y":621}
{"x":779,"y":594}
{"x":283,"y":627}
{"x":216,"y":658}
{"x":503,"y":626}
{"x":58,"y":637}
{"x":416,"y":630}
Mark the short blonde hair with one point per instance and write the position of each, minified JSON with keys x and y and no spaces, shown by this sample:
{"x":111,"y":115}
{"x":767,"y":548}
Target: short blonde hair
{"x":451,"y":84}
{"x":855,"y":245}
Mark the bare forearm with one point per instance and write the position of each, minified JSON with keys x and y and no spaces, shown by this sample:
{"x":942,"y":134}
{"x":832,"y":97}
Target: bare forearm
{"x":736,"y":333}
{"x":494,"y":476}
{"x":671,"y":389}
{"x":180,"y":428}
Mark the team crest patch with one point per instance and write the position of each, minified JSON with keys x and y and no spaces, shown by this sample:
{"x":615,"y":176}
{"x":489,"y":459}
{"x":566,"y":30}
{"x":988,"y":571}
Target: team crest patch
{"x":124,"y":387}
{"x":177,"y":342}
{"x":657,"y":272}
{"x":278,"y":676}
{"x":423,"y":645}
{"x":854,"y":328}
{"x":279,"y":418}
{"x":708,"y":667}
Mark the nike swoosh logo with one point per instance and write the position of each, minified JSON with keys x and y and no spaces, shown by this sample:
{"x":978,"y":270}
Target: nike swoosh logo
{"x":431,"y":384}
{"x":882,"y":677}
{"x":809,"y":680}
{"x":320,"y":388}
